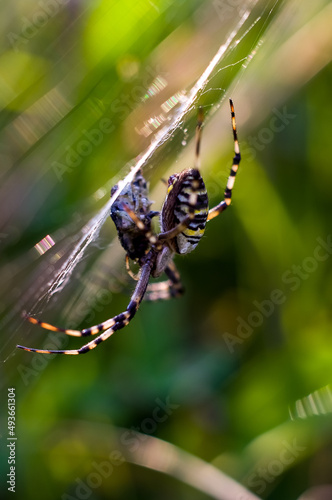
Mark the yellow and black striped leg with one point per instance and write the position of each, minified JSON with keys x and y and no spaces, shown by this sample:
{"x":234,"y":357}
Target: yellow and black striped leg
{"x":93,"y":330}
{"x":112,"y":325}
{"x":231,"y":179}
{"x":168,"y":289}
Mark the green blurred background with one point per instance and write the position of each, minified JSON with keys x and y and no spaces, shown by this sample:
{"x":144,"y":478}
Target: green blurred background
{"x":84,"y":89}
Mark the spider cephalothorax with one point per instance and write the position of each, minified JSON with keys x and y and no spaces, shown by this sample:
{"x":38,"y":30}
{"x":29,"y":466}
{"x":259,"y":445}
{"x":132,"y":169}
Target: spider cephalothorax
{"x":182,"y":221}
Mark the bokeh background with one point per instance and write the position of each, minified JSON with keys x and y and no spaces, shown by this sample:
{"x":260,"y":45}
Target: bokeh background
{"x":236,"y":372}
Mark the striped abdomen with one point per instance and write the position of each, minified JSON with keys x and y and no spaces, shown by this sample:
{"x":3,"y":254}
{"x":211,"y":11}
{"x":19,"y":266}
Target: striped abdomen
{"x":177,"y":207}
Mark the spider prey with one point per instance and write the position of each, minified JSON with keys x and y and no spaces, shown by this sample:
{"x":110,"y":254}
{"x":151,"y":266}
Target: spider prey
{"x":182,"y":220}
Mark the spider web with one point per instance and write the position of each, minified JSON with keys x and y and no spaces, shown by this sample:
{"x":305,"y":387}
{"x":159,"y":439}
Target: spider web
{"x":75,"y":243}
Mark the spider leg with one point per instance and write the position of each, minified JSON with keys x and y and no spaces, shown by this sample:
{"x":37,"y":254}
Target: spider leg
{"x":168,"y":289}
{"x":93,"y":330}
{"x":198,"y":136}
{"x":231,"y":179}
{"x":149,"y":235}
{"x":136,"y":276}
{"x":113,"y":324}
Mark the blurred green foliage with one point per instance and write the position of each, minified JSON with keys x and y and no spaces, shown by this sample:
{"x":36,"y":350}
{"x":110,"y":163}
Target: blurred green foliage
{"x":252,"y":334}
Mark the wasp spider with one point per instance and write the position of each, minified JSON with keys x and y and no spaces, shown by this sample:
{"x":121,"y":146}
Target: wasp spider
{"x":182,"y":220}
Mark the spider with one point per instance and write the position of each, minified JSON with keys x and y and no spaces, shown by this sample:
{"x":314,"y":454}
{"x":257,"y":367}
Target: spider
{"x":182,"y":220}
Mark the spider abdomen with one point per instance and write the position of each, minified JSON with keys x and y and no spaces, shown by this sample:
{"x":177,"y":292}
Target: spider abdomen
{"x":177,"y":207}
